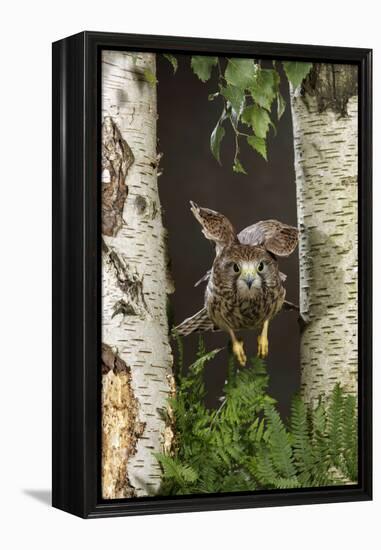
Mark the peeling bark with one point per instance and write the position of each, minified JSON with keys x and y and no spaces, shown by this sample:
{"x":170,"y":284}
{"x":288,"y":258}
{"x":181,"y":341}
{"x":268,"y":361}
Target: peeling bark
{"x":134,"y":274}
{"x":170,"y":442}
{"x":324,"y":113}
{"x":117,"y":158}
{"x":129,"y":282}
{"x":121,"y":427}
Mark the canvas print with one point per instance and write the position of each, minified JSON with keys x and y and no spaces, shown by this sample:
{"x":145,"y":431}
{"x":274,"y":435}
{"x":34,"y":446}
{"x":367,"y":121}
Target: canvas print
{"x":229,"y":274}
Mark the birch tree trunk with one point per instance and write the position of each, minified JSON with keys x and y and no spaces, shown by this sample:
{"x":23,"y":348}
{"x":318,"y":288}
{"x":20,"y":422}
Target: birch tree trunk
{"x":324,"y":114}
{"x":137,"y":358}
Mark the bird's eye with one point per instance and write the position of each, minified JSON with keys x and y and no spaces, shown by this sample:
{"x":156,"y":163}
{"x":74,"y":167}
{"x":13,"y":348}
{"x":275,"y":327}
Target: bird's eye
{"x":236,"y":268}
{"x":260,"y":267}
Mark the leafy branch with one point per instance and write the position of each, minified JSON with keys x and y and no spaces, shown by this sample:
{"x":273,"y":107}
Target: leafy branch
{"x":248,"y":93}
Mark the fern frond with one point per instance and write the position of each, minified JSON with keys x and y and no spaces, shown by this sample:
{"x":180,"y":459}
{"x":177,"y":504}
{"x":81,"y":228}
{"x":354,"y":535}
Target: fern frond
{"x":198,"y":365}
{"x":350,"y":437}
{"x":279,"y":443}
{"x":335,"y":432}
{"x":301,"y":440}
{"x":317,"y":419}
{"x":201,"y":350}
{"x":193,"y":382}
{"x":182,"y":473}
{"x":245,"y":445}
{"x":263,"y":468}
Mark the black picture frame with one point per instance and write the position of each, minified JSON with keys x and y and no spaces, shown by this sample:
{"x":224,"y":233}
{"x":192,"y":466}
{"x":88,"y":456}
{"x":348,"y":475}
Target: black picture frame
{"x":77,"y":269}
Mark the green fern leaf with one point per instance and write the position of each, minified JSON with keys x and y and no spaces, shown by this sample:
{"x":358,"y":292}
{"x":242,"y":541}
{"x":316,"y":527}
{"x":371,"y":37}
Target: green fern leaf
{"x":301,"y":440}
{"x":350,"y":437}
{"x":279,"y":443}
{"x":335,"y":432}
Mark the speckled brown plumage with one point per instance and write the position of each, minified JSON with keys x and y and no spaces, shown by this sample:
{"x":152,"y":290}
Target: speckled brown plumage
{"x":244,"y":289}
{"x":231,"y":306}
{"x":215,"y":226}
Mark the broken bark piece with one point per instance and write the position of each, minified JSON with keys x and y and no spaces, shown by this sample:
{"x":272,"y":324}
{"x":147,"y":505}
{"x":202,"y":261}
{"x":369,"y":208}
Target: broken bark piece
{"x":120,"y":425}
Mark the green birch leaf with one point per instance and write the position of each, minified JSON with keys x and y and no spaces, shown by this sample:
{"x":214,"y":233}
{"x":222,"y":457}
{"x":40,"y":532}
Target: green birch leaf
{"x":238,"y":168}
{"x":240,"y":72}
{"x":173,"y":61}
{"x":150,"y":77}
{"x":258,"y":144}
{"x":264,"y":89}
{"x":215,"y":140}
{"x":281,"y":105}
{"x":296,"y":71}
{"x":236,"y":97}
{"x":258,"y":119}
{"x":202,"y":66}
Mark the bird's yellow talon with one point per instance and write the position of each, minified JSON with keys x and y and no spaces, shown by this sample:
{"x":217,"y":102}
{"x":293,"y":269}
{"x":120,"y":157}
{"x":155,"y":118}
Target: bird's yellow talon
{"x":263,"y":346}
{"x":239,"y":352}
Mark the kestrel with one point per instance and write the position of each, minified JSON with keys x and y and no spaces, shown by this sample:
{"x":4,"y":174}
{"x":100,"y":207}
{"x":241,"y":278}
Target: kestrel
{"x":244,"y":286}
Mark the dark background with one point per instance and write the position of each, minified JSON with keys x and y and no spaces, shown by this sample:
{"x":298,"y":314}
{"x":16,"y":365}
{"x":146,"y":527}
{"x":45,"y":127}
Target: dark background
{"x":190,"y":172}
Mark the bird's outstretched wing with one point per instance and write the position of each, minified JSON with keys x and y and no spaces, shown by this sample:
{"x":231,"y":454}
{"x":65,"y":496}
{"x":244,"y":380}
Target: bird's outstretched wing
{"x":199,"y":322}
{"x":215,"y":226}
{"x":204,"y":278}
{"x":276,"y":237}
{"x":289,"y":306}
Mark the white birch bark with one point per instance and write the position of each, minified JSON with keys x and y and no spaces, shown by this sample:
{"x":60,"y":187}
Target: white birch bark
{"x":135,"y":287}
{"x":325,"y":119}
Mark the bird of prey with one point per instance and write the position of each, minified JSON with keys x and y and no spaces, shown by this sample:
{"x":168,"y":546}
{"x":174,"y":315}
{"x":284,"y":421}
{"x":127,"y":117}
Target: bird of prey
{"x":244,"y":286}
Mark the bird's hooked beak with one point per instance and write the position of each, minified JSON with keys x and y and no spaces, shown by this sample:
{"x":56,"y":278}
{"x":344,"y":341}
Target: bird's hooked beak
{"x":248,"y":275}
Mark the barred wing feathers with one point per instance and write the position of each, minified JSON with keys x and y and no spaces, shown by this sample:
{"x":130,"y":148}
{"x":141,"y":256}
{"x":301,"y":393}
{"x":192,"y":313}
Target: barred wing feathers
{"x":199,"y":322}
{"x":275,"y":236}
